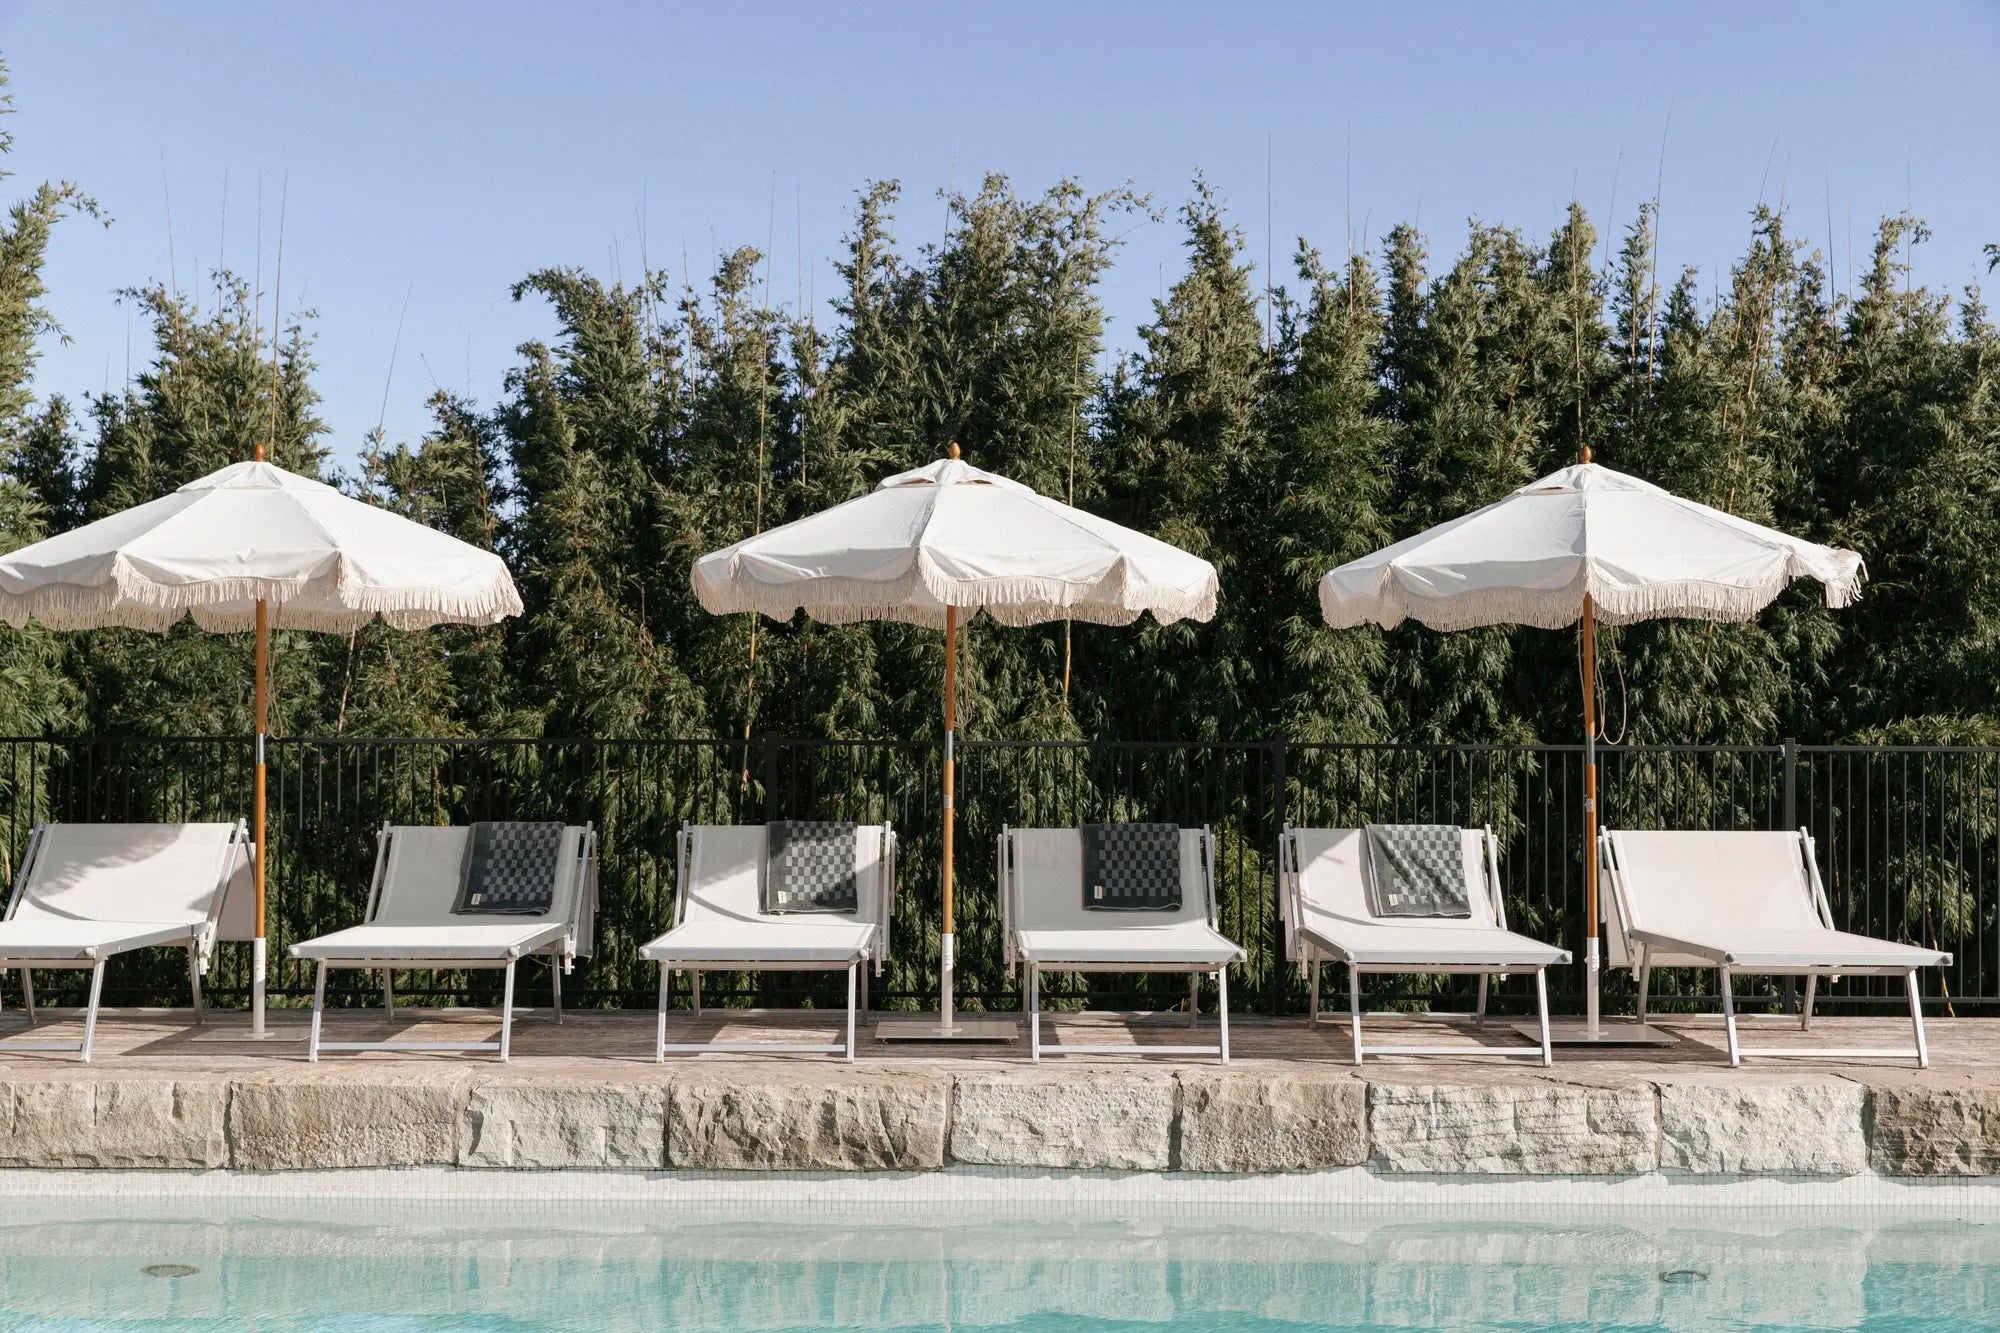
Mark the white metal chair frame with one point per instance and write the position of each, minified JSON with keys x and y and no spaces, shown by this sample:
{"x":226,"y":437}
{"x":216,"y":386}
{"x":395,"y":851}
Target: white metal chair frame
{"x":1031,"y":991}
{"x":1619,"y":900}
{"x":561,"y":953}
{"x":200,"y":946}
{"x":1308,"y":954}
{"x":857,"y":969}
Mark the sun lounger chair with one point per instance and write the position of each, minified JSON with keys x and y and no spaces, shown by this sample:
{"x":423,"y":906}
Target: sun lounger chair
{"x":721,"y":925}
{"x":1329,"y":919}
{"x":1048,"y":928}
{"x":1743,"y":902}
{"x":411,"y":923}
{"x":88,"y":891}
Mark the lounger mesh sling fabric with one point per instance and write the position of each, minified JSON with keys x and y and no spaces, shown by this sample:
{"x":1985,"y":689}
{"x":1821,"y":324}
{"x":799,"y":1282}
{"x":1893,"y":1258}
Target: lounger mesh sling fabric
{"x":86,"y":892}
{"x":1329,"y":918}
{"x":1744,"y":902}
{"x":1048,"y":928}
{"x":721,"y":925}
{"x":414,"y":920}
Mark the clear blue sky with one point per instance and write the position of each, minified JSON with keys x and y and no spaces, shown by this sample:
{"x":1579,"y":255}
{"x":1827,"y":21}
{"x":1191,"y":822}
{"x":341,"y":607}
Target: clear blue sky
{"x":440,"y":151}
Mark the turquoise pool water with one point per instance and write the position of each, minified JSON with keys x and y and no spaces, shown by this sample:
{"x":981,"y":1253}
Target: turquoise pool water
{"x":515,"y":1267}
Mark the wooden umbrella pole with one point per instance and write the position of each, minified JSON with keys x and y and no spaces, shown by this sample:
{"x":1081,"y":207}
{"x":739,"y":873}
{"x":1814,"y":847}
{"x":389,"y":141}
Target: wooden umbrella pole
{"x":1592,"y":958}
{"x":950,"y":813}
{"x":262,"y":694}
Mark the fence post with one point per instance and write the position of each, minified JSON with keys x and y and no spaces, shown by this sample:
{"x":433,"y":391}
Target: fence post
{"x":1275,"y":1001}
{"x":1788,"y":987}
{"x":769,"y":763}
{"x":1791,"y":762}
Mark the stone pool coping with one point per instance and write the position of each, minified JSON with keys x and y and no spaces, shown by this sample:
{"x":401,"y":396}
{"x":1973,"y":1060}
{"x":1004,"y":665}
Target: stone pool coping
{"x":584,"y":1097}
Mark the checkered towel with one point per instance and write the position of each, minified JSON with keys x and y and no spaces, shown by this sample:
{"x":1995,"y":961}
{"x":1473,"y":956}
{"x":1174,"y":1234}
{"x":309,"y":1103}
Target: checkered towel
{"x":1416,"y":870}
{"x":1132,"y":867}
{"x":810,"y":866}
{"x":510,"y":869}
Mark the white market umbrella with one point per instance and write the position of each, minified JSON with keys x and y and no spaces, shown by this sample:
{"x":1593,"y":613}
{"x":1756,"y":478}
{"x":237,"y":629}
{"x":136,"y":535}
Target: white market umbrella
{"x":1580,"y":546}
{"x":945,"y":540}
{"x":254,"y":547}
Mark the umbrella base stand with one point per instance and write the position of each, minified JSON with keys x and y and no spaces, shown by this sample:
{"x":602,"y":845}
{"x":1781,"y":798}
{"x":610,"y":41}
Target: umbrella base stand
{"x":1610,"y":1032}
{"x":929,"y":1028}
{"x":244,"y":1035}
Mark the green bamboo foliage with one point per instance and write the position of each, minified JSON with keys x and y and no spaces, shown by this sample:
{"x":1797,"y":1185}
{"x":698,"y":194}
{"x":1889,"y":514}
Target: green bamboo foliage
{"x":666,"y":418}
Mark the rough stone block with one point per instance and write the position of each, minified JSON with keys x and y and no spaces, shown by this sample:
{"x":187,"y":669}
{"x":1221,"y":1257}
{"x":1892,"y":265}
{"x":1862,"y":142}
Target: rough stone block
{"x":290,"y":1123}
{"x":551,"y":1125}
{"x":1556,"y":1129}
{"x":1919,"y":1130}
{"x":1078,"y":1119}
{"x":801,"y":1121}
{"x":113,"y":1122}
{"x":1271,"y":1122}
{"x":1806,"y":1129}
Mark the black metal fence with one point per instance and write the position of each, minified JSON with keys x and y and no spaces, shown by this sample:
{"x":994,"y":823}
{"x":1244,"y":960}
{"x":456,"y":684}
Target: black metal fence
{"x":1908,"y":839}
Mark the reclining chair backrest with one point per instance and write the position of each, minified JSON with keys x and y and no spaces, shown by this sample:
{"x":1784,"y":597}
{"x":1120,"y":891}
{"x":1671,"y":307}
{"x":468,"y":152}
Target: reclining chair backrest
{"x":132,"y":872}
{"x":1325,"y":873}
{"x":418,"y":869}
{"x":723,"y":868}
{"x":1705,"y":885}
{"x":1042,"y":889}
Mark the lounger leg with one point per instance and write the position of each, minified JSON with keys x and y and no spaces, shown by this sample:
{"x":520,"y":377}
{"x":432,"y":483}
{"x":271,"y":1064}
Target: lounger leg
{"x":555,"y":983}
{"x":1313,"y":985}
{"x":660,"y":1025}
{"x":1729,"y":1018}
{"x":851,"y":987}
{"x":864,"y":988}
{"x":28,"y":992}
{"x":195,"y":979}
{"x":507,"y":1012}
{"x":1479,"y":1014}
{"x":1034,"y":1013}
{"x":1645,"y":977}
{"x":1917,"y":1022}
{"x":319,"y":1008}
{"x":1542,"y":1007}
{"x":1805,"y":1009}
{"x":389,"y":992}
{"x":91,"y":1013}
{"x":1222,"y":1007}
{"x":1354,"y":1007}
{"x":695,"y":976}
{"x":1194,"y":996}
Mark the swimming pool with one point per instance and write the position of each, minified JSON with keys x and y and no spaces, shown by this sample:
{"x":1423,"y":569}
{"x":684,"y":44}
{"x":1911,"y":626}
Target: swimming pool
{"x":513,"y":1266}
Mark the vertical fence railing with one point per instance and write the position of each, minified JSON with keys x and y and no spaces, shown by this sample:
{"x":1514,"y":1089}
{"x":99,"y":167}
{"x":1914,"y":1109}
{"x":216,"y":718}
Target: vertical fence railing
{"x":1908,"y":839}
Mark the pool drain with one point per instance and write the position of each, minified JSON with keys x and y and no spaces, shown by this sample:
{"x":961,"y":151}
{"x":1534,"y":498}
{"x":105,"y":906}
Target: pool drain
{"x":1680,"y":1276}
{"x":170,"y":1270}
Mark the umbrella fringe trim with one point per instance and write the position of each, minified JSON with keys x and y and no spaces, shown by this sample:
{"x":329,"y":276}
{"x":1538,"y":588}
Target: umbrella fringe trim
{"x":136,"y":603}
{"x":1560,"y":607}
{"x":1012,"y":601}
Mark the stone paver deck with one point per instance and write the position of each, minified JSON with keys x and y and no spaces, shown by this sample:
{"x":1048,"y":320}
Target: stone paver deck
{"x":587,"y":1094}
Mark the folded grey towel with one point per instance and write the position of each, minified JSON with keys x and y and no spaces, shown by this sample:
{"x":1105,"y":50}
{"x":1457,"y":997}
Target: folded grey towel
{"x":1132,"y":867}
{"x":510,"y":869}
{"x":810,"y":866}
{"x":1416,"y":870}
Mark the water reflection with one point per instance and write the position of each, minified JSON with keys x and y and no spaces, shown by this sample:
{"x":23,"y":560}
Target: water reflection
{"x":626,"y":1269}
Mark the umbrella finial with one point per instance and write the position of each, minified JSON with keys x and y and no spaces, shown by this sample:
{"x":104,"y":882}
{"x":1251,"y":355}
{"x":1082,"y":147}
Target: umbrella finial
{"x":951,"y":450}
{"x":1586,"y":455}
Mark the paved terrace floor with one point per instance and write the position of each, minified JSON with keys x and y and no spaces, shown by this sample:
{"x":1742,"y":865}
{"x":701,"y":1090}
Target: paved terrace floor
{"x":614,"y":1046}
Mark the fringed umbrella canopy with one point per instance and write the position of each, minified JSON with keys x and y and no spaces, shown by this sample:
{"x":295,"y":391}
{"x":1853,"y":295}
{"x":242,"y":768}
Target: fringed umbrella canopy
{"x":1583,"y":545}
{"x":942,"y":543}
{"x":254,"y":532}
{"x":252,"y":547}
{"x":1636,"y":551}
{"x":951,"y":535}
